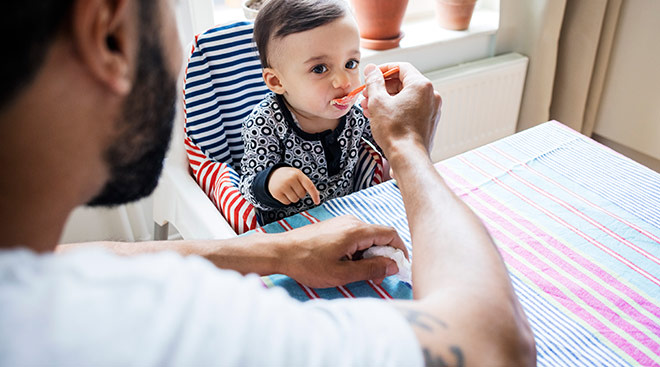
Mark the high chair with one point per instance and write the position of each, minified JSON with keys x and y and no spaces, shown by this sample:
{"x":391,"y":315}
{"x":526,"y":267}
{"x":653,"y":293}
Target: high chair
{"x":222,"y":84}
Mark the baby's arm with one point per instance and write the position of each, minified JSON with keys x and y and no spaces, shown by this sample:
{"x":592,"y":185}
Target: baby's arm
{"x":262,"y":156}
{"x":266,"y":181}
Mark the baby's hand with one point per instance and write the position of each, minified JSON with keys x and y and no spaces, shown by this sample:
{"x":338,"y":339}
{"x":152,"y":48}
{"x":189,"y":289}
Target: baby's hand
{"x":288,"y":185}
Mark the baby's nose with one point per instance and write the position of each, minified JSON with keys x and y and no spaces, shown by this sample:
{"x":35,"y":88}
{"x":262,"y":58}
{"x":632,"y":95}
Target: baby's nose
{"x":341,"y":80}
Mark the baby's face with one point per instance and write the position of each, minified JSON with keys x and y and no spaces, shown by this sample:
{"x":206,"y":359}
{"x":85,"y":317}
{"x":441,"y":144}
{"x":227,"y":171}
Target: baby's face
{"x":317,"y":66}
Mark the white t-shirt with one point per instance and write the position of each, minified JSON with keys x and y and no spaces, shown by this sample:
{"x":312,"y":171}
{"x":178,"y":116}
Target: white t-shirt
{"x":91,"y":307}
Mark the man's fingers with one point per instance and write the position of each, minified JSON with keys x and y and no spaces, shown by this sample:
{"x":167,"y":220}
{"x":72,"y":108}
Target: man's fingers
{"x":375,"y":268}
{"x":365,"y":107}
{"x":379,"y":235}
{"x":310,"y":188}
{"x":374,"y":81}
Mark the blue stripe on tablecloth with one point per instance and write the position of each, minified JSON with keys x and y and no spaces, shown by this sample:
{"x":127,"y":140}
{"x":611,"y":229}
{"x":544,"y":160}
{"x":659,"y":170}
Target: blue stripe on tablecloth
{"x":576,"y":214}
{"x":631,"y":186}
{"x":560,"y":341}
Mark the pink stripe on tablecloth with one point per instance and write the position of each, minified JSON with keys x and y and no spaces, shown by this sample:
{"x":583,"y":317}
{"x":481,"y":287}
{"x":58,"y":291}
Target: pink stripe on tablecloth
{"x":642,"y":231}
{"x":566,"y":224}
{"x":576,"y":309}
{"x":572,"y":209}
{"x":584,"y":262}
{"x":557,"y":261}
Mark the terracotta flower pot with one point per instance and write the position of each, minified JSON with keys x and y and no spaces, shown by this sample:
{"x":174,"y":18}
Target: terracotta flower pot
{"x":379,"y":22}
{"x":454,"y":14}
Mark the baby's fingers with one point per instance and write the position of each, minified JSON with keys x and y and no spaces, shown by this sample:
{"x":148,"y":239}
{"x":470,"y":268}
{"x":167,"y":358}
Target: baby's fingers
{"x":310,"y":188}
{"x":281,"y":197}
{"x":298,"y":188}
{"x":291,"y":195}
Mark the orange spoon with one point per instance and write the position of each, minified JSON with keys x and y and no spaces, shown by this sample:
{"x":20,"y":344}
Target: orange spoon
{"x":349,"y":97}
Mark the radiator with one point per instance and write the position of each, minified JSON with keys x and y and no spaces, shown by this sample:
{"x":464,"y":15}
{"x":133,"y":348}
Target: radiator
{"x":480,"y":103}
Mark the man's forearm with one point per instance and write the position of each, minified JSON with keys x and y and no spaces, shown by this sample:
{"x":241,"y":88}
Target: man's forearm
{"x":467,"y":312}
{"x":451,"y":245}
{"x":257,"y":253}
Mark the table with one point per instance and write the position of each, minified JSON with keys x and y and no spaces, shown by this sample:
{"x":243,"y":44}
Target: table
{"x":578,"y":226}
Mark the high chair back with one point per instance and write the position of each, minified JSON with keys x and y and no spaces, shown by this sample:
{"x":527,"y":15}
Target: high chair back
{"x":222,"y":85}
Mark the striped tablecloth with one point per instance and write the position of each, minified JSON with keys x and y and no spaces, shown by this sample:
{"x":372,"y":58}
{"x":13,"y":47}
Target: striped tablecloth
{"x":577,"y":224}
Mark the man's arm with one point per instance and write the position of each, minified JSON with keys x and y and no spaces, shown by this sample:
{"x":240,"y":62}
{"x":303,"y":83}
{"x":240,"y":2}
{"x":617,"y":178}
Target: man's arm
{"x":465,"y":311}
{"x":314,"y":255}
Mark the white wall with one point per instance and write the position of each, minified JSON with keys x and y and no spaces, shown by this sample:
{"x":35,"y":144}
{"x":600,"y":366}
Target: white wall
{"x":629,"y":112}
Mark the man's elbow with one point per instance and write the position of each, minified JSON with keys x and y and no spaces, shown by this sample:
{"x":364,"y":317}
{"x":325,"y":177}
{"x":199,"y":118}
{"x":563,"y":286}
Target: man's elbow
{"x":525,"y":355}
{"x":519,"y":348}
{"x":508,"y":341}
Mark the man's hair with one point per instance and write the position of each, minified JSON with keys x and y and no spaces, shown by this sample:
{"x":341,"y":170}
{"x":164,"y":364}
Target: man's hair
{"x":27,"y":28}
{"x":280,"y":18}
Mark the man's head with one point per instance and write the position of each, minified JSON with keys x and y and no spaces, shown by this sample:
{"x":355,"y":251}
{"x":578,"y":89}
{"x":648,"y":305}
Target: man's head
{"x":117,"y":63}
{"x":135,"y":161}
{"x":310,"y":52}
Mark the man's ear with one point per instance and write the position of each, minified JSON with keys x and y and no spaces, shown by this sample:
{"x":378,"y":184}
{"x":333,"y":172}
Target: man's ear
{"x":273,"y":81}
{"x":104,"y":34}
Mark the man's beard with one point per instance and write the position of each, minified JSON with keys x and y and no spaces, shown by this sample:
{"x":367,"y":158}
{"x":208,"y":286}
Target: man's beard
{"x":135,"y":160}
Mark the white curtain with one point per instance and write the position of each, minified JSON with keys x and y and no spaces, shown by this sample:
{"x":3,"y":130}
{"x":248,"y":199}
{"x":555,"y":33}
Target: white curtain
{"x":584,"y":53}
{"x":568,"y":43}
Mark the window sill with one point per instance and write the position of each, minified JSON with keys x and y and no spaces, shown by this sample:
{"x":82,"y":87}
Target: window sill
{"x":429,"y":47}
{"x":425,"y":44}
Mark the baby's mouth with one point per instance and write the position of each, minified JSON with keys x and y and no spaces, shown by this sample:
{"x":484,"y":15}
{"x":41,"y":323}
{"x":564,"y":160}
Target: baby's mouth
{"x":344,"y":101}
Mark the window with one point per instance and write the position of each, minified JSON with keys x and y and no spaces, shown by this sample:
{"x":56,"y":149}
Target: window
{"x":417,"y":9}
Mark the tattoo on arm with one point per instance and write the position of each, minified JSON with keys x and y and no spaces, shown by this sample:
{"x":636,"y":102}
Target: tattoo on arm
{"x":429,"y":323}
{"x":438,"y":361}
{"x":423,"y":320}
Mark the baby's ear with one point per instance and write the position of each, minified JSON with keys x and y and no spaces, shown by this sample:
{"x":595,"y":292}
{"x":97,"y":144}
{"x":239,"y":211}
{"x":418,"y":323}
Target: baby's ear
{"x":273,"y":81}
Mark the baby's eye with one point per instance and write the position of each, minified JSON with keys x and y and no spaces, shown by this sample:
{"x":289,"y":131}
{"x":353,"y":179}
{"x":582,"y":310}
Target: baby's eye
{"x":319,"y":69}
{"x":352,"y":64}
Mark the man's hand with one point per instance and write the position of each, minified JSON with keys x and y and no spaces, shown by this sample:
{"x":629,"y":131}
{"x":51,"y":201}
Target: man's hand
{"x":288,"y":185}
{"x":316,"y":255}
{"x":403,"y":109}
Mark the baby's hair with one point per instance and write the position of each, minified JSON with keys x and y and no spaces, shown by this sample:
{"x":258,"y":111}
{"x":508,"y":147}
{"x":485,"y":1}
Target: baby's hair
{"x":280,"y":18}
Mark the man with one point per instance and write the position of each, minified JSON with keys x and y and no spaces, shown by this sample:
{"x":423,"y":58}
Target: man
{"x":87,"y":95}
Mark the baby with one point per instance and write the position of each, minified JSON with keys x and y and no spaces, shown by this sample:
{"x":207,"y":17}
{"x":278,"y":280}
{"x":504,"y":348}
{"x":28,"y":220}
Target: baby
{"x":301,"y":149}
